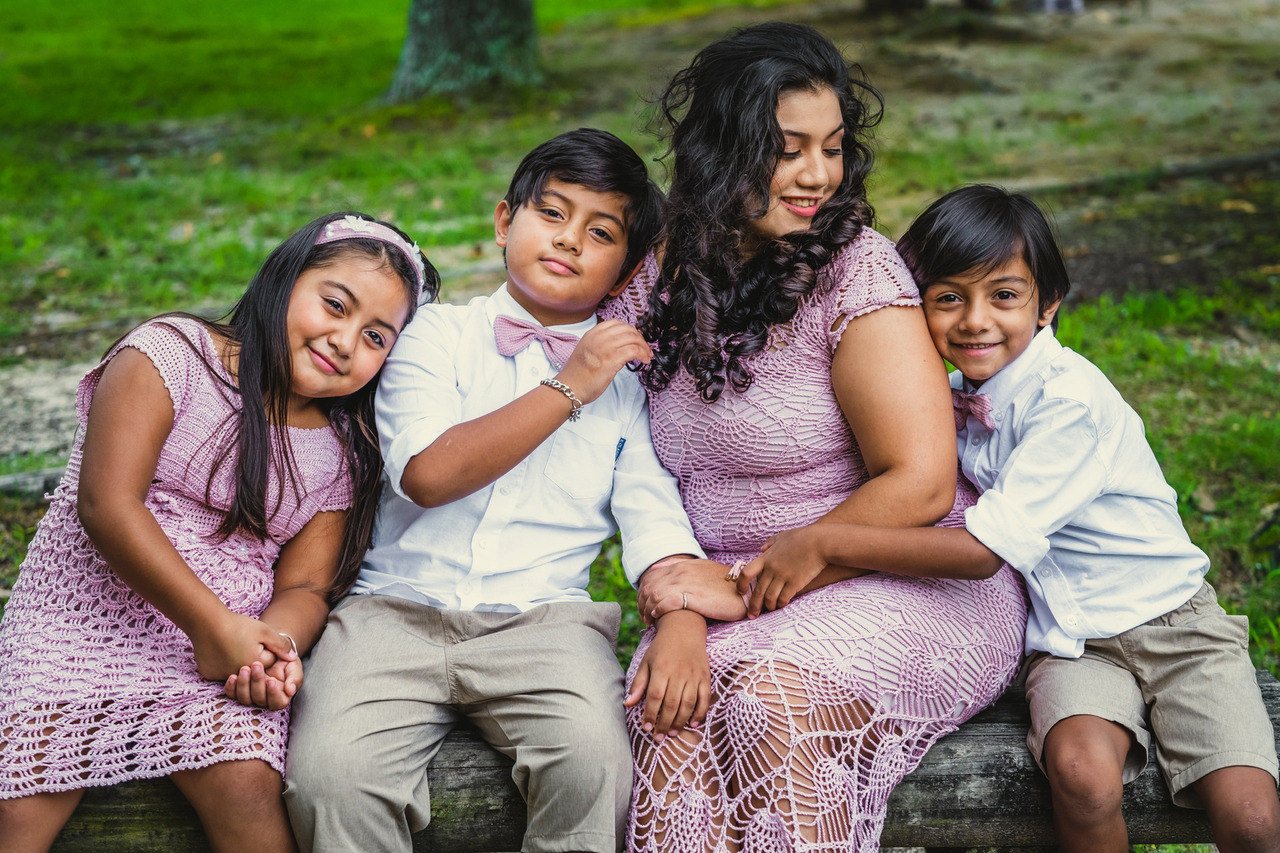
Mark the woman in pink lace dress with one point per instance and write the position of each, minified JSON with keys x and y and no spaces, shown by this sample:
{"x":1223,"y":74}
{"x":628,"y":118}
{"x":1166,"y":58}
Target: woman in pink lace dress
{"x":793,"y":379}
{"x":219,"y":494}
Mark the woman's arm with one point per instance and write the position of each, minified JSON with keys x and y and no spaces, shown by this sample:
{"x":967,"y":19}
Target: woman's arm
{"x":892,"y":388}
{"x":129,"y":419}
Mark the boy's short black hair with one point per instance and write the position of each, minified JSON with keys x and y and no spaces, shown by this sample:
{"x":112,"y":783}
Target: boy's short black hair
{"x":599,"y":161}
{"x":977,"y":228}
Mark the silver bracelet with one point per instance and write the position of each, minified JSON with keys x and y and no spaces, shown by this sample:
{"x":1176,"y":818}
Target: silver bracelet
{"x":291,"y":641}
{"x":576,"y":411}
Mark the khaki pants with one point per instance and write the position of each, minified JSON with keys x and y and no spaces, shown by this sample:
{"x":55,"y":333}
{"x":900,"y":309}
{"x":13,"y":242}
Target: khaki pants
{"x":389,"y":678}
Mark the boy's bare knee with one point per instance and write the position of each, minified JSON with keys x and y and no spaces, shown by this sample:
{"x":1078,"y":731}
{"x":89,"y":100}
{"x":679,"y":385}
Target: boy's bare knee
{"x":1085,"y":770}
{"x":1251,"y":827}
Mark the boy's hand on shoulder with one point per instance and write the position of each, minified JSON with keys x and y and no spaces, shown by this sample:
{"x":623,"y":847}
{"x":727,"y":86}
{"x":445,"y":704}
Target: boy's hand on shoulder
{"x":599,"y":355}
{"x":674,"y":678}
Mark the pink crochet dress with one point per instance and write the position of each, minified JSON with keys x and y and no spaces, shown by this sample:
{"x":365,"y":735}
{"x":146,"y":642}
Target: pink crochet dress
{"x":819,"y":709}
{"x":96,"y":685}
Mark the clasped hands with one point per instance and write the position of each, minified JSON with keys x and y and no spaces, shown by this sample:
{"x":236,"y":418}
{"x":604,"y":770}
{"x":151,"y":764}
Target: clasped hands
{"x":258,"y":665}
{"x":787,"y":565}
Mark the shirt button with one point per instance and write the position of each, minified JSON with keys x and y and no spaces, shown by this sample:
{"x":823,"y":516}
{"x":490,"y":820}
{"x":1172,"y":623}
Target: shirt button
{"x":505,"y":490}
{"x":1071,"y":620}
{"x":482,"y":544}
{"x":557,"y":365}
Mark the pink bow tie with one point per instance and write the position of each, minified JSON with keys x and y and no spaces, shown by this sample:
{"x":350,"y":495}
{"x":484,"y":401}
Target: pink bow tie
{"x":978,"y":405}
{"x":514,"y":335}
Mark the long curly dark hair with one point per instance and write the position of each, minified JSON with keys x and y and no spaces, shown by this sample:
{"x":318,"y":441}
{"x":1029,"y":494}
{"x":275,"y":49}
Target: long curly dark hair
{"x":718,"y":293}
{"x":256,"y":331}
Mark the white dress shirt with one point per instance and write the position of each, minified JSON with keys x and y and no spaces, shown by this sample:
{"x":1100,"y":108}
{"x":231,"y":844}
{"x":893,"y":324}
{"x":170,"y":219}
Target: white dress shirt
{"x":530,"y":537}
{"x":1073,"y":498}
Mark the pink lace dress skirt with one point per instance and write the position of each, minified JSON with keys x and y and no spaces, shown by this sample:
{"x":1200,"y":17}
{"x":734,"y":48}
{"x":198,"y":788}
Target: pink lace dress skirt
{"x":819,"y":709}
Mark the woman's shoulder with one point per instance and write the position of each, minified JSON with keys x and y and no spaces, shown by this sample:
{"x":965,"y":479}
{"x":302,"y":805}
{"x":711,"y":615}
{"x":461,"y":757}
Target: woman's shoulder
{"x":872,"y":248}
{"x":629,"y":305}
{"x":870,"y":265}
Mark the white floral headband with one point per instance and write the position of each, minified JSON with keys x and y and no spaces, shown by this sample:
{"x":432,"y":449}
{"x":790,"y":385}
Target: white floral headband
{"x":351,"y":226}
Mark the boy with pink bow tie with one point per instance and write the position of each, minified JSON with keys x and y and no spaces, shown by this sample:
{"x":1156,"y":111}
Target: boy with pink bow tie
{"x":1125,"y":640}
{"x":515,"y":444}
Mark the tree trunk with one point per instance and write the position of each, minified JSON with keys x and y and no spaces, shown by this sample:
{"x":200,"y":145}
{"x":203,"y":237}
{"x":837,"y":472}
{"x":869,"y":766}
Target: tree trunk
{"x":458,"y":46}
{"x":894,"y":7}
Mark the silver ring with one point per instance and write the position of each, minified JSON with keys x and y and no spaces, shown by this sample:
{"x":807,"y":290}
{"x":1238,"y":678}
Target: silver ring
{"x":684,"y":601}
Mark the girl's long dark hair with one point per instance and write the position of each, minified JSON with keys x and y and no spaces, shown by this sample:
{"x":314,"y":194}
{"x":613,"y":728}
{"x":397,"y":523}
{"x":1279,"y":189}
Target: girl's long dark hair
{"x":717,"y":294}
{"x":255,"y":330}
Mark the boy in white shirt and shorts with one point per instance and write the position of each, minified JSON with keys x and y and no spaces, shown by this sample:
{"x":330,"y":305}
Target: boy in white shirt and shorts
{"x":1124,"y":637}
{"x":515,"y":443}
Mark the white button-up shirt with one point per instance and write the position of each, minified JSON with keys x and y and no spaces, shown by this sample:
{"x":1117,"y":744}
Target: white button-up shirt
{"x":530,"y":537}
{"x":1073,"y":498}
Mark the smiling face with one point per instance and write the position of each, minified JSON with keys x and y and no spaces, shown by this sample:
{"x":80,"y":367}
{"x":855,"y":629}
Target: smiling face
{"x":564,"y":253}
{"x":981,"y":322}
{"x":812,"y":162}
{"x":341,"y":323}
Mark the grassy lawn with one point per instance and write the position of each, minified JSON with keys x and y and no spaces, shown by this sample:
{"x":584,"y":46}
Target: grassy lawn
{"x":150,"y":158}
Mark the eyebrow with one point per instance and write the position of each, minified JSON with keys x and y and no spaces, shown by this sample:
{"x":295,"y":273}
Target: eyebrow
{"x":800,"y":135}
{"x":355,"y":301}
{"x":603,"y":213}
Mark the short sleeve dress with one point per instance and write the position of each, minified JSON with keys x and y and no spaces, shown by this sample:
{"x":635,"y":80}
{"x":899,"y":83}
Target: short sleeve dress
{"x":818,"y":709}
{"x":96,"y":685}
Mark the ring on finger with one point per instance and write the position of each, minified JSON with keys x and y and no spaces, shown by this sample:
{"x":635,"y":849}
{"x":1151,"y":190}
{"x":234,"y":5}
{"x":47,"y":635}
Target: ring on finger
{"x":684,"y":601}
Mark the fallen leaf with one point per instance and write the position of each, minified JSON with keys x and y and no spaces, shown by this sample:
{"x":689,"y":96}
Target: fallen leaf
{"x":1240,"y":205}
{"x":1203,"y":499}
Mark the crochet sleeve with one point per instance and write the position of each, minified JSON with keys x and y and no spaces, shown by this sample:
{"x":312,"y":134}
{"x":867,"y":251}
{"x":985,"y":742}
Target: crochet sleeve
{"x":174,"y":345}
{"x":868,"y":275}
{"x":341,"y":494}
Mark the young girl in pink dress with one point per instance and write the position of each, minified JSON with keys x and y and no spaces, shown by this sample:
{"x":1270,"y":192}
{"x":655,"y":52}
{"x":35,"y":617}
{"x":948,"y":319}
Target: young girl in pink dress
{"x":793,"y":379}
{"x":219,"y":495}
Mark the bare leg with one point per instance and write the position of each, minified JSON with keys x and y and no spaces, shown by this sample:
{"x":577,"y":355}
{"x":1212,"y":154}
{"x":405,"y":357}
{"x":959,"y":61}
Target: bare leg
{"x":30,"y":824}
{"x":1084,"y":757}
{"x":240,"y":805}
{"x":1243,"y":809}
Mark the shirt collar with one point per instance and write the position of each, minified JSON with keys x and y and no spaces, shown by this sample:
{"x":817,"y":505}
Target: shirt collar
{"x":502,"y":302}
{"x":1003,"y":387}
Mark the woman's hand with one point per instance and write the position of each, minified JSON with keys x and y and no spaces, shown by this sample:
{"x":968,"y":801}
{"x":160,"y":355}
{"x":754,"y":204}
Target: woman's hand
{"x":789,"y":562}
{"x":697,"y":585}
{"x":674,"y":678}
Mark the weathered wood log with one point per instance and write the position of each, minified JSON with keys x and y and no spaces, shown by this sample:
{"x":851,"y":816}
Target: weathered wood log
{"x":977,"y":788}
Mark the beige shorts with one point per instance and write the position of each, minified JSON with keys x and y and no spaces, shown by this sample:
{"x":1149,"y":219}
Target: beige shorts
{"x":1184,"y":676}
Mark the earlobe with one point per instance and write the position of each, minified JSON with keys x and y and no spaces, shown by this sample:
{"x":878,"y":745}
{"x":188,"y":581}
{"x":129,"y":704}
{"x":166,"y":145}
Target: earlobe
{"x":501,"y":223}
{"x":626,"y":279}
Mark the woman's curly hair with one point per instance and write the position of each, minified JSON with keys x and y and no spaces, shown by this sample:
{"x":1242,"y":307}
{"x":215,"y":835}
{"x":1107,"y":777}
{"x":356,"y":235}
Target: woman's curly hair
{"x":718,"y":294}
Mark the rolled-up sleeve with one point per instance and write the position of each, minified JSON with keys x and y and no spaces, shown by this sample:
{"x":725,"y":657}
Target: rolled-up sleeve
{"x":1053,"y":473}
{"x":418,"y":396}
{"x":646,"y":503}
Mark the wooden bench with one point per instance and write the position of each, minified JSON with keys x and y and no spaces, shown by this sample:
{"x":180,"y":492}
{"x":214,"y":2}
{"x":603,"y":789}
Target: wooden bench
{"x":977,"y":788}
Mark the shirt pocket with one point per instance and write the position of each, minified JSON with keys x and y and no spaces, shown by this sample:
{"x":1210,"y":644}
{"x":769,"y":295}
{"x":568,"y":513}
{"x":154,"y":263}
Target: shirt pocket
{"x":582,"y":457}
